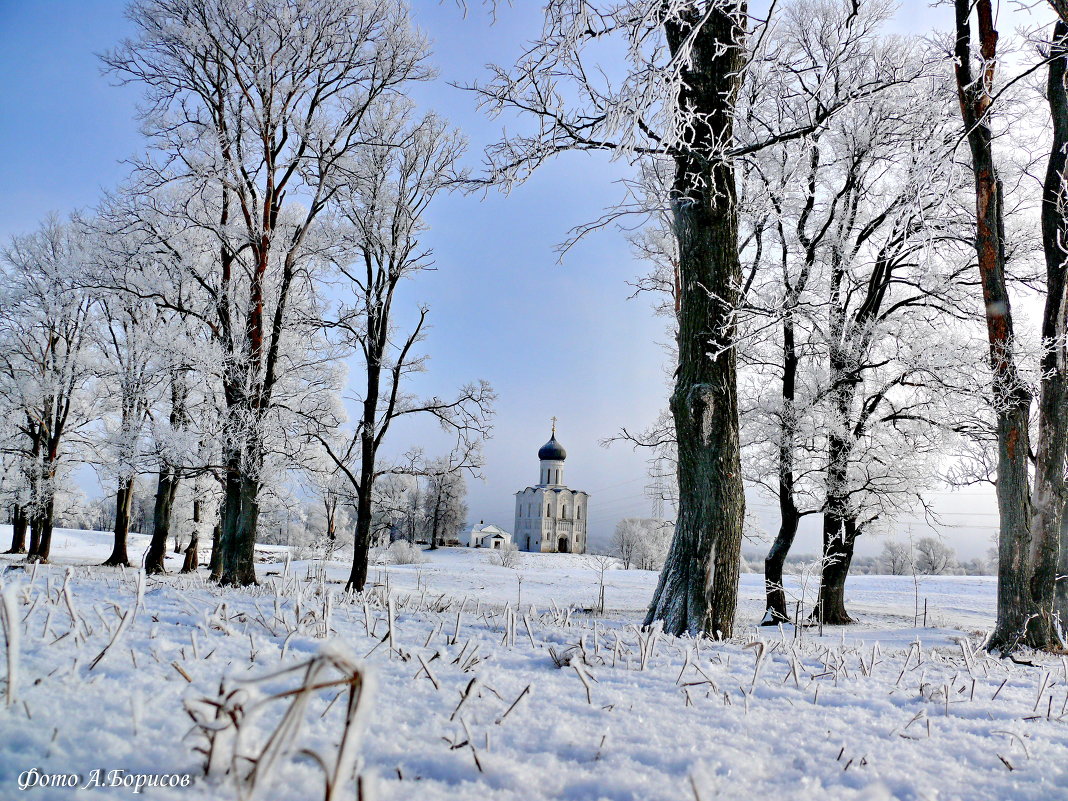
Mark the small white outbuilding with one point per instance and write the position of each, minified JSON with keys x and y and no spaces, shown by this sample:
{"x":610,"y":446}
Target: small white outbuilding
{"x":485,"y":536}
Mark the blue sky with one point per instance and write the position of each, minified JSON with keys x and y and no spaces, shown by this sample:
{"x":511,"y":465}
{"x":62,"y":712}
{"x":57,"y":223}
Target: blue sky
{"x":553,"y":339}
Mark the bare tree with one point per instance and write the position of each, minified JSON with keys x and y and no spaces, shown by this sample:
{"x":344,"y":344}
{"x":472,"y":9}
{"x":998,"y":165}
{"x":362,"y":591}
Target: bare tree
{"x":1011,"y":396}
{"x":390,"y":187}
{"x":1048,"y":549}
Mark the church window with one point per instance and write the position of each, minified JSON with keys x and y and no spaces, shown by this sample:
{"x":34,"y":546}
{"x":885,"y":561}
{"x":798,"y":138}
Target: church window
{"x":578,"y":512}
{"x":548,"y":510}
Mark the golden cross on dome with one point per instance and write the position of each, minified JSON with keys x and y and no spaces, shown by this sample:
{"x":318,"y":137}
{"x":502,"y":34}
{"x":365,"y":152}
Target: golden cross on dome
{"x":554,"y":425}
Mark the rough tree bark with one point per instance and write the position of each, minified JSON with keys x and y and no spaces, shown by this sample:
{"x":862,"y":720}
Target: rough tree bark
{"x":123,"y":505}
{"x":1048,"y":496}
{"x":839,"y":525}
{"x":698,"y":587}
{"x":1011,"y":399}
{"x":166,"y":489}
{"x":43,"y":509}
{"x":839,"y":538}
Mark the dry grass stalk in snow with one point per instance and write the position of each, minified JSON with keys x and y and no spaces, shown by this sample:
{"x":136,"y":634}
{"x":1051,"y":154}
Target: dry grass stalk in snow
{"x":227,"y":720}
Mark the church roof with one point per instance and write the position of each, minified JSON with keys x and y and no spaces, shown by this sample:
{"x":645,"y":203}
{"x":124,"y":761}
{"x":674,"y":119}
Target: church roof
{"x":552,"y":451}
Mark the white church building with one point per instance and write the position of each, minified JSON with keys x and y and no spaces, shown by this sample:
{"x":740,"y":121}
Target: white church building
{"x":551,"y":517}
{"x":485,"y":536}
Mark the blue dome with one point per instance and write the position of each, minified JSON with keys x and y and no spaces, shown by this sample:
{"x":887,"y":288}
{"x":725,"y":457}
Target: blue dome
{"x":552,"y":451}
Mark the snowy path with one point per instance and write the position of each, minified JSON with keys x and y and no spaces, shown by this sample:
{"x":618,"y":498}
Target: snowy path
{"x":820,"y":720}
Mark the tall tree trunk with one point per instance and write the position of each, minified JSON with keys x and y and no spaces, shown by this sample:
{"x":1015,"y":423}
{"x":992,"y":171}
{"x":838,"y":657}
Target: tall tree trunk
{"x":361,"y":545}
{"x":1011,"y":398}
{"x":789,"y":517}
{"x":839,"y":527}
{"x":166,"y":488}
{"x":839,"y":537}
{"x":240,"y":518}
{"x":123,"y":504}
{"x":1048,"y":497}
{"x":698,"y":588}
{"x":18,"y":529}
{"x":361,"y":542}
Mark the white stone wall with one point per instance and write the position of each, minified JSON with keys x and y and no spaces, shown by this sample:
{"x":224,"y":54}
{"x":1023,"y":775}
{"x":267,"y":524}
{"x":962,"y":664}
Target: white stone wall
{"x":544,"y":516}
{"x":552,"y":473}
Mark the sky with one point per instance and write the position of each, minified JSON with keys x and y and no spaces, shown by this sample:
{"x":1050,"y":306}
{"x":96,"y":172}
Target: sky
{"x":554,"y":339}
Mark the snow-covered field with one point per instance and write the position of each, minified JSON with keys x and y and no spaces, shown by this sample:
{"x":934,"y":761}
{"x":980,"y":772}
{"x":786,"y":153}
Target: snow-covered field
{"x":465,"y":700}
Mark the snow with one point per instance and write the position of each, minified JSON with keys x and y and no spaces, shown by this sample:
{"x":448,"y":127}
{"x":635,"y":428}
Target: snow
{"x":885,"y":709}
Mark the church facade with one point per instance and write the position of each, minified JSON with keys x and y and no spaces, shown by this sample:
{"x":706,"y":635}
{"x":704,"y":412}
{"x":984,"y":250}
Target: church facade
{"x":551,"y":517}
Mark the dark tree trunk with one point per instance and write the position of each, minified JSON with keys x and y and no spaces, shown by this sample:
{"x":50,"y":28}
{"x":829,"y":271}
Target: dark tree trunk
{"x":1061,"y":602}
{"x":215,"y":560}
{"x":41,"y":532}
{"x":123,"y":504}
{"x":698,"y":588}
{"x":361,"y":542}
{"x":774,"y":563}
{"x":240,"y":519}
{"x":370,"y":436}
{"x":789,"y":517}
{"x":839,"y":537}
{"x":18,"y":530}
{"x":245,"y":568}
{"x":35,"y":535}
{"x":166,"y":488}
{"x":192,"y":555}
{"x":1011,"y":398}
{"x":1049,"y":491}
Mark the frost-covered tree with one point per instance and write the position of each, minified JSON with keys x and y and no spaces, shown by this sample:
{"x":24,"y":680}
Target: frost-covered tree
{"x":256,"y":111}
{"x":896,"y":558}
{"x":444,"y":502}
{"x":933,"y":557}
{"x":46,"y":314}
{"x":647,"y":79}
{"x":642,"y":543}
{"x":128,"y":341}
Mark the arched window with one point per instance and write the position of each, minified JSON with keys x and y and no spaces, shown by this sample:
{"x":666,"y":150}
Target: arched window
{"x":578,"y":512}
{"x":548,"y":510}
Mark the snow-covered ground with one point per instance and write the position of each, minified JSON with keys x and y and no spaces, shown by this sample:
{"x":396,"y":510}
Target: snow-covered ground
{"x":888,"y":708}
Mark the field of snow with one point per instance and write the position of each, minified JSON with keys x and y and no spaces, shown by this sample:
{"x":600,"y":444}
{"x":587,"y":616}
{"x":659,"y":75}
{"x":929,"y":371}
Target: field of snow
{"x":462,"y":698}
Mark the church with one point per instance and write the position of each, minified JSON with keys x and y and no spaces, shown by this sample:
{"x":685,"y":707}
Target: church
{"x":551,"y":517}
